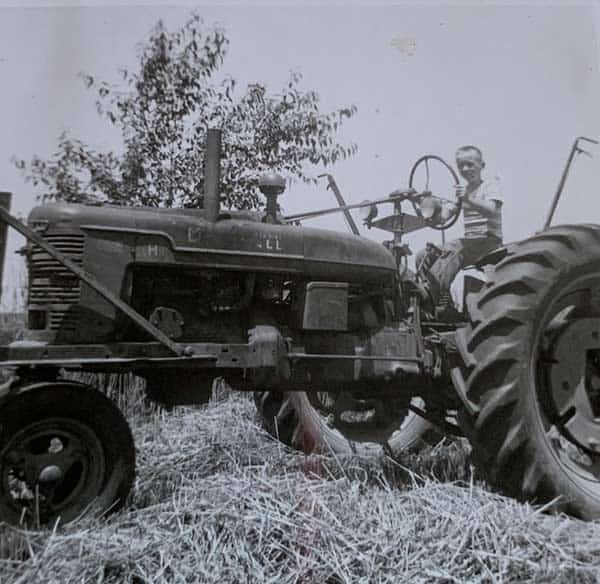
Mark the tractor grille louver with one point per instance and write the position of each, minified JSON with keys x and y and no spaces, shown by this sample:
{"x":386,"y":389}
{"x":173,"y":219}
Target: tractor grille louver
{"x":51,"y":285}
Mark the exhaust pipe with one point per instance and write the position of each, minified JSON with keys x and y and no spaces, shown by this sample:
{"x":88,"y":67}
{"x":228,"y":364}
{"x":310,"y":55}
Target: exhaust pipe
{"x":5,"y":204}
{"x":212,"y":175}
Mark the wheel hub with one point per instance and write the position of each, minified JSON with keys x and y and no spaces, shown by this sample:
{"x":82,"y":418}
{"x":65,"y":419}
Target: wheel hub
{"x":51,"y":475}
{"x":49,"y":465}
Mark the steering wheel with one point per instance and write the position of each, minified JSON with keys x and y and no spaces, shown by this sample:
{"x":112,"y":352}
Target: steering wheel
{"x":433,"y":201}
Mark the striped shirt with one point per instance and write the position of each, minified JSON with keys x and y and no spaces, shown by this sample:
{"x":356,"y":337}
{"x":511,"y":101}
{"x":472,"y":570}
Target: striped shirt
{"x":478,"y":225}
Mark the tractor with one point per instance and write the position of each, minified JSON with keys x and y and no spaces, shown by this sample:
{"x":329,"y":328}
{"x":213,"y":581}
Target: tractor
{"x":331,"y":332}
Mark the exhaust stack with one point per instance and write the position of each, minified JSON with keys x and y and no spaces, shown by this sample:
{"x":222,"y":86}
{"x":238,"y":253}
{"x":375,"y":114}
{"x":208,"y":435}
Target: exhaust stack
{"x":212,"y":175}
{"x":5,"y":204}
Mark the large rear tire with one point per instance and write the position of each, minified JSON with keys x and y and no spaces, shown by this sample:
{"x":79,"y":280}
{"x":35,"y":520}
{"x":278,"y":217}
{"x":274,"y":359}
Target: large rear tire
{"x":65,"y":450}
{"x":532,"y":375}
{"x":295,"y":419}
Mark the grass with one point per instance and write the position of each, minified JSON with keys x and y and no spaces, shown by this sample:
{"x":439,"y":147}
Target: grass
{"x":217,"y":500}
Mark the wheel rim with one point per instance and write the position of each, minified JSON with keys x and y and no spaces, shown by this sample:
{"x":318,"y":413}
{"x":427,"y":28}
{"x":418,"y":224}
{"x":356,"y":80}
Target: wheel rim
{"x":566,"y":369}
{"x":52,"y":468}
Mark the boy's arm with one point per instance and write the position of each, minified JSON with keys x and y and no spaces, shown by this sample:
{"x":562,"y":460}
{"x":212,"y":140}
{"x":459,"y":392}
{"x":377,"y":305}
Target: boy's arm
{"x":487,"y":205}
{"x":487,"y":208}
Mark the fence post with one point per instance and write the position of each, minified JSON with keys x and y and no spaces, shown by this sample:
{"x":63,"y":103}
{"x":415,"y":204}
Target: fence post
{"x":5,"y":204}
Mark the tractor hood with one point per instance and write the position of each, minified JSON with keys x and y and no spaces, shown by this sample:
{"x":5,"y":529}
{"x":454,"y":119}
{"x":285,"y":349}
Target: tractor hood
{"x":238,"y":240}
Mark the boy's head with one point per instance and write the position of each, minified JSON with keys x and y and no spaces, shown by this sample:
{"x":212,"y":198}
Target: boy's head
{"x":469,"y":161}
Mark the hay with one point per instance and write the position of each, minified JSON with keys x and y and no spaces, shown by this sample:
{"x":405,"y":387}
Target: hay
{"x":217,"y":500}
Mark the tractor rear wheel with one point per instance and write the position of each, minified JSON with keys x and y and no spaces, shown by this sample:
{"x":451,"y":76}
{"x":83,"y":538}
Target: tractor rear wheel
{"x":309,"y":421}
{"x":65,"y":450}
{"x":532,"y":376}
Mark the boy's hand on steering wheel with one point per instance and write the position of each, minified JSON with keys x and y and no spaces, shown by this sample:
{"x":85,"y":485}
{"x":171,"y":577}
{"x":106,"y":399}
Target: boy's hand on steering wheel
{"x":461,"y":192}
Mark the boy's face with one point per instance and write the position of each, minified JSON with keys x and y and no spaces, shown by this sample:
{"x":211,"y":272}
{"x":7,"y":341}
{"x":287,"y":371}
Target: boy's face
{"x":469,"y":165}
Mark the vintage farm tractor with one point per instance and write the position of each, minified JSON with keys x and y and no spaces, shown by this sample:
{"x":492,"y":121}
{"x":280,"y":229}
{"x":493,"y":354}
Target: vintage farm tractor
{"x":329,"y":329}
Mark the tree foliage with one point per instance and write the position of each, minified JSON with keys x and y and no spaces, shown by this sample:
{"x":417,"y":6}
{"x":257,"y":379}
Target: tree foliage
{"x":163,"y":110}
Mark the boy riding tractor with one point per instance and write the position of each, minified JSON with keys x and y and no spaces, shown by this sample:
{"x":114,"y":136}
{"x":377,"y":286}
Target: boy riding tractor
{"x":528,"y":367}
{"x":482,"y":212}
{"x":327,"y":329}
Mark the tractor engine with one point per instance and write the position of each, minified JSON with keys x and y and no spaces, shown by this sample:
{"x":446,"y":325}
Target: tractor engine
{"x":183,"y":296}
{"x":201,"y":281}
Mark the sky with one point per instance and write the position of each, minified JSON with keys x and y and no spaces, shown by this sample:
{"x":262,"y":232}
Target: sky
{"x":519,"y":80}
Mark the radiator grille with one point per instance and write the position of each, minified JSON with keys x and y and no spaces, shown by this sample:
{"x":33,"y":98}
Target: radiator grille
{"x":51,"y":285}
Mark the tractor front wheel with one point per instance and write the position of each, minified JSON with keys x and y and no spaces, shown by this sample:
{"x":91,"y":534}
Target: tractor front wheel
{"x":65,"y":450}
{"x":341,"y":424}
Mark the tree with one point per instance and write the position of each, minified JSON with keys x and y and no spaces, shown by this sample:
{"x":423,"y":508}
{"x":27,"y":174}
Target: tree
{"x":163,"y":111}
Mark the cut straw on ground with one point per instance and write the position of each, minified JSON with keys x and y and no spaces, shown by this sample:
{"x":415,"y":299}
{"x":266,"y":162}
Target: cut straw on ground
{"x":218,"y":500}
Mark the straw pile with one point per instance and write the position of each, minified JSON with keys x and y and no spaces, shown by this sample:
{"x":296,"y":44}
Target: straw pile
{"x":217,"y":500}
